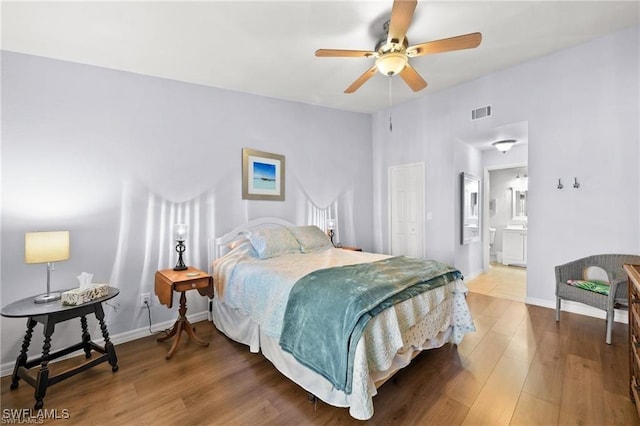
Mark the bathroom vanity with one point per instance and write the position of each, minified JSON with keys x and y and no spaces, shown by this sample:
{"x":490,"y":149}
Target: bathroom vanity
{"x":514,"y":245}
{"x":514,"y":236}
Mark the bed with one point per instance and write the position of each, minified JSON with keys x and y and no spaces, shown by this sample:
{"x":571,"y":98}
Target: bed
{"x":270,"y":277}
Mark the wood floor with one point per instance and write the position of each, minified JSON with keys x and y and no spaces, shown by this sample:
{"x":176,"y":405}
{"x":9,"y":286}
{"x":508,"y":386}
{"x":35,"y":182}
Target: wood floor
{"x":505,"y":282}
{"x":519,"y":368}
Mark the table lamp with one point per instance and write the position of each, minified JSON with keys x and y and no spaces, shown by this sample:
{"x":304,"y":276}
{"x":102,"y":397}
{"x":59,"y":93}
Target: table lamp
{"x":46,"y":247}
{"x":180,"y":230}
{"x":331,"y":226}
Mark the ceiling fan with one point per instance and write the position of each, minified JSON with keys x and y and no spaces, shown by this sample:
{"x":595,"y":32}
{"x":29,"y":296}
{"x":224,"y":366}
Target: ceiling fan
{"x":392,"y":52}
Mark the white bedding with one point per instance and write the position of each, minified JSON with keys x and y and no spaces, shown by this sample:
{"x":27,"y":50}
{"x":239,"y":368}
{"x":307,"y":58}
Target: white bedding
{"x":261,"y":286}
{"x":251,"y":296}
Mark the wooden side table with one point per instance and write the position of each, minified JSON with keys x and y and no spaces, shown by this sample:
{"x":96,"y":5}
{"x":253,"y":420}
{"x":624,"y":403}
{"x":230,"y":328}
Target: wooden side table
{"x":49,"y":314}
{"x":166,"y":282}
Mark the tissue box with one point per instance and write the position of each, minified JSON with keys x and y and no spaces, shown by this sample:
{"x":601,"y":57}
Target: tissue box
{"x":78,"y":296}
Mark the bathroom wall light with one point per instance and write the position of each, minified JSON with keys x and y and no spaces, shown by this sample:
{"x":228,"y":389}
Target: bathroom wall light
{"x":504,"y":145}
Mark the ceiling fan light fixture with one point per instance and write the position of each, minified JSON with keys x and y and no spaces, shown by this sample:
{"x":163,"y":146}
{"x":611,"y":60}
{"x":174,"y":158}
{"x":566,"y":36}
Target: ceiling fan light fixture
{"x":391,"y":63}
{"x":504,"y":145}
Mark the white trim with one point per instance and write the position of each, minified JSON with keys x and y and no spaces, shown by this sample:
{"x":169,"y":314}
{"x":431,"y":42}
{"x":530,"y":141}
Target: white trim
{"x":620,"y":315}
{"x":472,"y":275}
{"x":6,"y":369}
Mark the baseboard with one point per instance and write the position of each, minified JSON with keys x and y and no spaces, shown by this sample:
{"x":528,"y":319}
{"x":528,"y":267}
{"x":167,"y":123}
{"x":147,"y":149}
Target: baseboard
{"x":472,"y":275}
{"x":7,"y":368}
{"x":620,"y":315}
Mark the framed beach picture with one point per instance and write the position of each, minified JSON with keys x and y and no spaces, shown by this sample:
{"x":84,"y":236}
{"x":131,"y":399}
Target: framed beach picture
{"x":262,"y":175}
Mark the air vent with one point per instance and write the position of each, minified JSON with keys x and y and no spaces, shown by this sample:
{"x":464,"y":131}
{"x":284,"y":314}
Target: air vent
{"x":481,"y":112}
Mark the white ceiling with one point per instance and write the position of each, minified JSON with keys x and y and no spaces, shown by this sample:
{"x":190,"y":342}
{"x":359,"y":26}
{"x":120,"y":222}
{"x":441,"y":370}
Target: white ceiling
{"x":267,"y":47}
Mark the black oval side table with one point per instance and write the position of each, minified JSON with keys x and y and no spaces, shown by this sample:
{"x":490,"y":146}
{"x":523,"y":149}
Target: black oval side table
{"x":49,"y":314}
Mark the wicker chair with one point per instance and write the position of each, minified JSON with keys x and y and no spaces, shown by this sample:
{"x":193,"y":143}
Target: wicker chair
{"x":612,"y":265}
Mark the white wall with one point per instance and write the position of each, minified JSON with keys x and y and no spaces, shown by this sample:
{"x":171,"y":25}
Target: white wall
{"x":582,"y":109}
{"x":467,"y":257}
{"x":117,"y":158}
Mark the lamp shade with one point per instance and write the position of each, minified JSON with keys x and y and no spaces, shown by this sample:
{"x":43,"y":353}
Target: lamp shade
{"x":331,"y":224}
{"x":43,"y":247}
{"x":391,"y":63}
{"x":181,"y":230}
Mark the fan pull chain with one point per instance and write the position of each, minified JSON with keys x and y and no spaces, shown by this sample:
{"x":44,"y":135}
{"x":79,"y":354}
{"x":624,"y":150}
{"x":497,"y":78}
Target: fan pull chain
{"x":390,"y":105}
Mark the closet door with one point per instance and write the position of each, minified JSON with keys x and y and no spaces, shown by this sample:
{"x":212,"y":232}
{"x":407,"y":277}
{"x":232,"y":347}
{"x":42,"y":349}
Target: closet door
{"x":406,"y":204}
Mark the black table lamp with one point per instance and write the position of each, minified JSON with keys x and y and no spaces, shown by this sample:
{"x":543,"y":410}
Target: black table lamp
{"x":180,"y":230}
{"x":331,"y":226}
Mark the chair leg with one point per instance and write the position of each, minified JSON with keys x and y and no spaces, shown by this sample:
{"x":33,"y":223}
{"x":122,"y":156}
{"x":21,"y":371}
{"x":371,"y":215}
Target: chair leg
{"x":558,"y":303}
{"x":610,"y":318}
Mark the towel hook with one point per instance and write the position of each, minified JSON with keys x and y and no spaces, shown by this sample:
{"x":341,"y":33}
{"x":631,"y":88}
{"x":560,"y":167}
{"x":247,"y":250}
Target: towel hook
{"x":575,"y":183}
{"x":560,"y":185}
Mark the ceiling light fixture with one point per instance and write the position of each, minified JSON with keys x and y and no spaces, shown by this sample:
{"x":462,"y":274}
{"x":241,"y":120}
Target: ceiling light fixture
{"x":391,"y":63}
{"x":504,"y":145}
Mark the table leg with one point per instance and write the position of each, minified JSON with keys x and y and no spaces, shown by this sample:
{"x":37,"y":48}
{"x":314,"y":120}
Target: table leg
{"x":21,"y":361}
{"x":182,"y":323}
{"x":86,"y":337}
{"x":186,"y":325}
{"x":177,"y":328}
{"x":191,"y":333}
{"x":108,"y":346}
{"x":42,"y":380}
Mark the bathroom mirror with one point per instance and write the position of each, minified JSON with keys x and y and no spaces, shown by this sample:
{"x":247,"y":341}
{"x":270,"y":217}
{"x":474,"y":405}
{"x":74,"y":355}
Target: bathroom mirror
{"x":470,"y":208}
{"x":519,"y":204}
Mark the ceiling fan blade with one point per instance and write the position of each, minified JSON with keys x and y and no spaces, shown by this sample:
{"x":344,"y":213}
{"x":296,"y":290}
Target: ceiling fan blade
{"x":467,"y":41}
{"x":401,"y":15}
{"x":361,"y":80}
{"x":334,"y":53}
{"x":412,"y":78}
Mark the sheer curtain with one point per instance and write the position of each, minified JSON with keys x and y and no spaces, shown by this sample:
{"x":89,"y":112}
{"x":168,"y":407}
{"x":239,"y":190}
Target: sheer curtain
{"x":340,"y":209}
{"x":146,"y":244}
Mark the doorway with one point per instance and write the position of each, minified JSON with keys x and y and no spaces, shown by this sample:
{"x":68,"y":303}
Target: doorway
{"x":505,"y":223}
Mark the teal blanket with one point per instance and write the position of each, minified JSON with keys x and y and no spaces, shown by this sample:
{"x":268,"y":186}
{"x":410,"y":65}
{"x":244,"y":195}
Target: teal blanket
{"x":328,"y":309}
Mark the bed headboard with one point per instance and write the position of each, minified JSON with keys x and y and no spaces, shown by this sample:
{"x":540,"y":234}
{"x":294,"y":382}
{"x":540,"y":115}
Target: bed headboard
{"x":217,"y":246}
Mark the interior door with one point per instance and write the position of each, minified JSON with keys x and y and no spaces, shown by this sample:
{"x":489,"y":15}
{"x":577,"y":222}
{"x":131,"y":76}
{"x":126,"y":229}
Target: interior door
{"x":406,"y":202}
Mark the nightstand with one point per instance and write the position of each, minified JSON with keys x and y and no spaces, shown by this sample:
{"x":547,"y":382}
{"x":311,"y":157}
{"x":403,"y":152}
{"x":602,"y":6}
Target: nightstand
{"x":167,"y":281}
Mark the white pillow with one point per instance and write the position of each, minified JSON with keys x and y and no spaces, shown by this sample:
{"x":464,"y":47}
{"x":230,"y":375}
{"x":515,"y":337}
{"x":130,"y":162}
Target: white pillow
{"x":237,"y":242}
{"x":310,"y":238}
{"x":272,"y":242}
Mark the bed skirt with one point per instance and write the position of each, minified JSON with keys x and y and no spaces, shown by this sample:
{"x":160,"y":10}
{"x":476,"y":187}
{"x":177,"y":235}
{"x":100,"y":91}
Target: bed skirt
{"x":433,"y":331}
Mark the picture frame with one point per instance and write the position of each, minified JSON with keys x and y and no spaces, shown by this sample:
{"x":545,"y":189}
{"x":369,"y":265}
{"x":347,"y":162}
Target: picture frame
{"x":263,"y":175}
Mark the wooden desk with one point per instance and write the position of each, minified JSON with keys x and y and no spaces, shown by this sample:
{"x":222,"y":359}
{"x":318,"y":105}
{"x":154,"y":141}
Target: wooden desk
{"x":166,"y":282}
{"x":49,"y":314}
